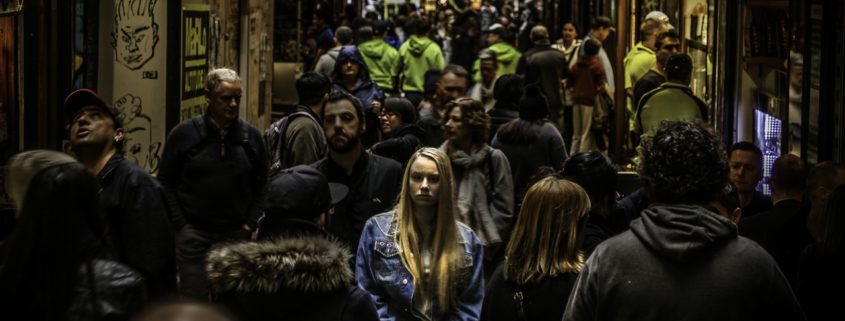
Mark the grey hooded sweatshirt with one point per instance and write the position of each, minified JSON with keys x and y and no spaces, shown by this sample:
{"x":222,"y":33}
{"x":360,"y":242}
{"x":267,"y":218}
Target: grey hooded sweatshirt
{"x":680,"y":262}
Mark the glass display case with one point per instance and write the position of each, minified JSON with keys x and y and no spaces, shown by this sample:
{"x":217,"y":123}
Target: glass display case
{"x":769,"y":135}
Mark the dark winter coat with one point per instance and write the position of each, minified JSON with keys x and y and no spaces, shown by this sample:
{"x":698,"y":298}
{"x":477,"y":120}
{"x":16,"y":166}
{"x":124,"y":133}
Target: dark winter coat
{"x":547,"y":67}
{"x":373,"y":188}
{"x":546,"y":150}
{"x":306,"y":277}
{"x":400,"y":147}
{"x":500,"y":115}
{"x":680,"y":262}
{"x":214,"y":183}
{"x":107,"y":290}
{"x":541,"y":301}
{"x":139,"y":228}
{"x":783,"y":232}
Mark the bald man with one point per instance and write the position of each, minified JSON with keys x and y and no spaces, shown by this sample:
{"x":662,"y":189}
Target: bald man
{"x":547,"y":67}
{"x":782,"y":230}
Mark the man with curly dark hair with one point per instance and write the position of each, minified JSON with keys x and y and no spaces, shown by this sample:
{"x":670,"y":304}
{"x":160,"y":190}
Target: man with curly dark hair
{"x":682,"y":259}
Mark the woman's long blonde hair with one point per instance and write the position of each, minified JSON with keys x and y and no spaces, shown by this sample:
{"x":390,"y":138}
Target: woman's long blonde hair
{"x":548,"y":232}
{"x":446,"y":251}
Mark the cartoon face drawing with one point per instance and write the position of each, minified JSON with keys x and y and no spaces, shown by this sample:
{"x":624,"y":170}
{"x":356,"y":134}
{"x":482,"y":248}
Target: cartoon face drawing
{"x":135,"y":32}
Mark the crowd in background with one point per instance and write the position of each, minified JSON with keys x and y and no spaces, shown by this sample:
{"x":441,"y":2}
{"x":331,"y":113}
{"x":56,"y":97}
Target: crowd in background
{"x":445,"y":165}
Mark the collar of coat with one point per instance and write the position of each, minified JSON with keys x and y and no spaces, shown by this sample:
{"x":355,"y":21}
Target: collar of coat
{"x":308,"y":264}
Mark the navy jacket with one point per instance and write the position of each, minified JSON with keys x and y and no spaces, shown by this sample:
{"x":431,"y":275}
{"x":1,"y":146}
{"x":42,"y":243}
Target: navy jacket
{"x":211,"y":182}
{"x":139,"y":228}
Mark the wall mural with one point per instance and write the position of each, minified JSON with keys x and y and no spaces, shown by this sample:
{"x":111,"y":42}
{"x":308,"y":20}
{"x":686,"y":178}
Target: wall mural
{"x":140,"y":145}
{"x":136,"y":37}
{"x":135,"y":32}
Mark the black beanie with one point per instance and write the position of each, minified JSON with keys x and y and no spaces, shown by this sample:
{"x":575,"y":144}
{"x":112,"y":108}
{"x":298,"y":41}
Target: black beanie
{"x":533,"y":105}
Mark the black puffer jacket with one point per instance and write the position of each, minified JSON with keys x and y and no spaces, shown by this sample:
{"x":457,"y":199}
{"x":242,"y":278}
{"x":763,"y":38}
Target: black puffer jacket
{"x":290,"y":278}
{"x":107,"y":290}
{"x":408,"y":139}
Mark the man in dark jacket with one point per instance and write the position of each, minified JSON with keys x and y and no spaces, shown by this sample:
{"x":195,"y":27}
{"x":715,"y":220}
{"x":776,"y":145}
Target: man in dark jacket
{"x":132,"y":199}
{"x":746,"y":171}
{"x":453,"y":84}
{"x":682,"y":260}
{"x":303,"y":140}
{"x":547,"y":67}
{"x":373,"y":181}
{"x":296,"y":271}
{"x":213,"y":170}
{"x":782,"y":230}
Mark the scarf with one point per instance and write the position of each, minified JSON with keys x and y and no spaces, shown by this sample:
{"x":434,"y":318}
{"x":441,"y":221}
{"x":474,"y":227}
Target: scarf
{"x":473,"y":201}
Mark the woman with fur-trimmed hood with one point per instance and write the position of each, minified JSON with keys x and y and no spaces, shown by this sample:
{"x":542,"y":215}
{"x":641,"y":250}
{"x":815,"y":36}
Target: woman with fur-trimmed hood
{"x":295,"y":271}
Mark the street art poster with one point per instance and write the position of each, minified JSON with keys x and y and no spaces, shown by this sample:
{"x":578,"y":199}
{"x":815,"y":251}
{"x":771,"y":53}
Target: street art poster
{"x":137,"y":69}
{"x":194,"y":60}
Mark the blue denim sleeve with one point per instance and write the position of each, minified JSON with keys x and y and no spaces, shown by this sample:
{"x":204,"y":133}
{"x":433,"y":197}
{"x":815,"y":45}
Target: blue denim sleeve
{"x":469,"y":303}
{"x":364,"y":271}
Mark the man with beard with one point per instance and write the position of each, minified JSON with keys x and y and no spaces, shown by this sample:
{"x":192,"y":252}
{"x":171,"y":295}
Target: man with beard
{"x":373,"y":181}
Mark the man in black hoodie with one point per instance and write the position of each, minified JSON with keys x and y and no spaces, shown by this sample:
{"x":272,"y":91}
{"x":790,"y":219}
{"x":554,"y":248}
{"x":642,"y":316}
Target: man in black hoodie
{"x":682,"y":259}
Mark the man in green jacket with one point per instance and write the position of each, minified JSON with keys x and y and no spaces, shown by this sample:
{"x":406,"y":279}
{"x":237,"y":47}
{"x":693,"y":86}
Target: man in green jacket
{"x":673,"y":100}
{"x":416,"y":56}
{"x":381,"y":58}
{"x":640,"y":59}
{"x":507,"y":56}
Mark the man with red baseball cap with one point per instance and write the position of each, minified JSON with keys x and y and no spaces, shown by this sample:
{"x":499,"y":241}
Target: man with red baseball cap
{"x":138,"y":225}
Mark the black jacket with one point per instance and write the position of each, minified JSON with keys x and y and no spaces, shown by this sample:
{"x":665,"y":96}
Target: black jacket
{"x":541,"y":301}
{"x":782,"y":231}
{"x":214,"y":183}
{"x":500,"y":115}
{"x":681,"y":262}
{"x":139,"y":228}
{"x":107,"y":290}
{"x":373,"y":188}
{"x":304,"y":277}
{"x":400,"y":147}
{"x":547,"y":67}
{"x":759,"y":204}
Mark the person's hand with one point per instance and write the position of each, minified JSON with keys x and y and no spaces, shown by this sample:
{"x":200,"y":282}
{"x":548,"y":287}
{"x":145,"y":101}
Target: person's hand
{"x":247,"y":228}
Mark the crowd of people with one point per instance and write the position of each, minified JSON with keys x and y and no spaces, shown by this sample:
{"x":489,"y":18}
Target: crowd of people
{"x":423,"y":176}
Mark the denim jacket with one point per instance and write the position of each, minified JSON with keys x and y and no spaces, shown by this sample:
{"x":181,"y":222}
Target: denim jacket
{"x":379,"y":270}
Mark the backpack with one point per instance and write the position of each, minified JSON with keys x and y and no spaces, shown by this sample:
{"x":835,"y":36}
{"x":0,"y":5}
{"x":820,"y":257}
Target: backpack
{"x":274,"y":138}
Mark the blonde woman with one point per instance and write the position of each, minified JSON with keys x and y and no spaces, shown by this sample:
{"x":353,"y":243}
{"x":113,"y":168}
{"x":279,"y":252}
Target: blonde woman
{"x":417,"y":261}
{"x":543,"y":258}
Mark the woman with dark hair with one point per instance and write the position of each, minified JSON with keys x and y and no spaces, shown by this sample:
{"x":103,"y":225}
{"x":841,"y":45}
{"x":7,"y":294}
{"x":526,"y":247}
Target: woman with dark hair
{"x":484,"y":187}
{"x":418,"y":261}
{"x":506,"y":92}
{"x":398,"y":120}
{"x":352,"y":76}
{"x":543,"y":258}
{"x":820,"y":266}
{"x":54,"y":265}
{"x":599,"y":177}
{"x":530,"y":141}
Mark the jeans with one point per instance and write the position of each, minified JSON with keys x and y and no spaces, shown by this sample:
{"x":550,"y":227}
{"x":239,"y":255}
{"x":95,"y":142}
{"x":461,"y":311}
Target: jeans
{"x":192,"y":247}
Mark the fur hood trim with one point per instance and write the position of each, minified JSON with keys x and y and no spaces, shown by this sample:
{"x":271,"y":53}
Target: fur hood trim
{"x":309,"y":264}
